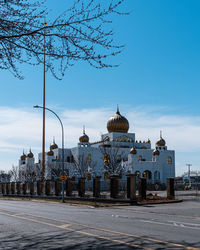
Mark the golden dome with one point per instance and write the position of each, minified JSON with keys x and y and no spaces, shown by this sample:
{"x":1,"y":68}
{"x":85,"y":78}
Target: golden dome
{"x":54,"y":145}
{"x":133,"y":151}
{"x":50,"y":153}
{"x":84,"y":137}
{"x":161,"y":142}
{"x":23,"y":157}
{"x":118,"y":123}
{"x":156,"y":152}
{"x":30,"y":154}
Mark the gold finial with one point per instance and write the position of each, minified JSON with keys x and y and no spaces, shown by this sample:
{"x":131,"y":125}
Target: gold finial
{"x":45,"y":23}
{"x":117,"y":109}
{"x":160,"y":134}
{"x":84,"y":129}
{"x":54,"y":140}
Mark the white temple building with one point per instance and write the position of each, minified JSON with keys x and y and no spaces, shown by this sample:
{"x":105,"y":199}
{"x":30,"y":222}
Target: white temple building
{"x":117,"y":152}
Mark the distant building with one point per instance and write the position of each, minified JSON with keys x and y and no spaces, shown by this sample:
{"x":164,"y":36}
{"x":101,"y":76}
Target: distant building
{"x":157,"y":164}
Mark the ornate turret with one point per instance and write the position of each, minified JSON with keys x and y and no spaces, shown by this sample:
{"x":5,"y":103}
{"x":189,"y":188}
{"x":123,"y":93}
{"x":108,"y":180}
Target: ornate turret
{"x":54,"y":145}
{"x":133,"y":151}
{"x":50,"y":153}
{"x":118,"y":123}
{"x":84,"y":137}
{"x":161,"y":142}
{"x":23,"y":157}
{"x":156,"y":152}
{"x":30,"y":154}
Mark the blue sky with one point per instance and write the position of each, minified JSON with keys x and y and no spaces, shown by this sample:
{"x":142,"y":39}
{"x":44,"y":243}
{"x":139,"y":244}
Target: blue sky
{"x":158,"y":76}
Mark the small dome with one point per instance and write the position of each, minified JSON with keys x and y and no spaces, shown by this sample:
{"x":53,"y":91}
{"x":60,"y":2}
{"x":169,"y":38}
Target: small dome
{"x":54,"y":145}
{"x":133,"y":151}
{"x":84,"y":137}
{"x":30,"y":154}
{"x":23,"y":157}
{"x":161,"y":142}
{"x":148,"y":141}
{"x":50,"y":153}
{"x":156,"y":152}
{"x":118,"y":123}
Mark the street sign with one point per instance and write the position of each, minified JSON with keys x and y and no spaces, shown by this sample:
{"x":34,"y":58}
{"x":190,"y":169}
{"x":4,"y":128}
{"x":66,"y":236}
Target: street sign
{"x":63,"y":177}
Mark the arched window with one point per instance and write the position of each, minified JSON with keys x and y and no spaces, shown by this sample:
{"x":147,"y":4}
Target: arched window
{"x":169,"y":160}
{"x":137,"y":173}
{"x":140,"y":158}
{"x":156,"y":175}
{"x":72,"y":159}
{"x":147,"y":174}
{"x":89,"y":158}
{"x":68,"y":158}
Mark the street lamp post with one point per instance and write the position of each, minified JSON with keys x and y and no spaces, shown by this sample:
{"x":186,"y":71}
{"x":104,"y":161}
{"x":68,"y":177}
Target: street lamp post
{"x":37,"y":106}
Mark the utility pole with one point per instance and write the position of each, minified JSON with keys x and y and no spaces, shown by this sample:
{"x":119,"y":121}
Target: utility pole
{"x":44,"y":104}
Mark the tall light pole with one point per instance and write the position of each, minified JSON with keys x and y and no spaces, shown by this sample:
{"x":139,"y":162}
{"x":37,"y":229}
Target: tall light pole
{"x":44,"y":108}
{"x":44,"y":103}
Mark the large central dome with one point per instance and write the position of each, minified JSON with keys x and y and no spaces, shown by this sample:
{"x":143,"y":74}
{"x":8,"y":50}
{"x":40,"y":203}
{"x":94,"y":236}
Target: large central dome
{"x":118,"y":123}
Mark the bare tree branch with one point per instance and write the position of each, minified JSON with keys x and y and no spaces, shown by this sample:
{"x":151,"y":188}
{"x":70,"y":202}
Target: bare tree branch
{"x":81,"y":33}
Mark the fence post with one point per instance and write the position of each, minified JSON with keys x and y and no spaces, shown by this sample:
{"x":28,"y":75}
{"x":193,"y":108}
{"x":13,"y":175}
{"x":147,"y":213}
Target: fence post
{"x":8,"y":188}
{"x":131,"y":188}
{"x":142,"y":188}
{"x":97,"y":186}
{"x":114,"y":190}
{"x":57,"y":188}
{"x":3,"y":188}
{"x":81,"y":187}
{"x":18,"y":187}
{"x":68,"y":187}
{"x":32,"y":191}
{"x":170,"y":188}
{"x":12,"y":187}
{"x":47,"y":187}
{"x":39,"y":188}
{"x":24,"y":188}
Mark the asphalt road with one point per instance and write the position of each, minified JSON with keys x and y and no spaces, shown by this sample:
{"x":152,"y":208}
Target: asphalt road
{"x":51,"y":225}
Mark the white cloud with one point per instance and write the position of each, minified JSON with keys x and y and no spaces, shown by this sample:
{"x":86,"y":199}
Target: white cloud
{"x":22,"y":128}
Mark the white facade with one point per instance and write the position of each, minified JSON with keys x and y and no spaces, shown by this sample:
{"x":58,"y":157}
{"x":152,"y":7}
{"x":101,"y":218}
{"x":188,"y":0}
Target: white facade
{"x":157,"y":164}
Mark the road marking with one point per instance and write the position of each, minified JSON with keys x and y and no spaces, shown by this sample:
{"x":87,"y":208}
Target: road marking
{"x":174,"y":224}
{"x":101,"y":229}
{"x":77,"y":231}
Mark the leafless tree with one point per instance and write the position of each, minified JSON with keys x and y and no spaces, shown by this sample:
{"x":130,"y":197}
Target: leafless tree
{"x":55,"y":170}
{"x":28,"y":174}
{"x":80,"y":33}
{"x":113,"y":159}
{"x":83,"y":166}
{"x":14,"y":173}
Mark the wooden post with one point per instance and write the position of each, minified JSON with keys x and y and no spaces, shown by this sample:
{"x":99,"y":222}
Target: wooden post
{"x":131,"y":188}
{"x":170,"y":188}
{"x":114,"y":190}
{"x":32,"y":191}
{"x":12,"y":187}
{"x":81,"y":187}
{"x":97,"y":186}
{"x":48,"y":187}
{"x":8,"y":188}
{"x":142,"y":188}
{"x":18,"y":187}
{"x":69,"y":187}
